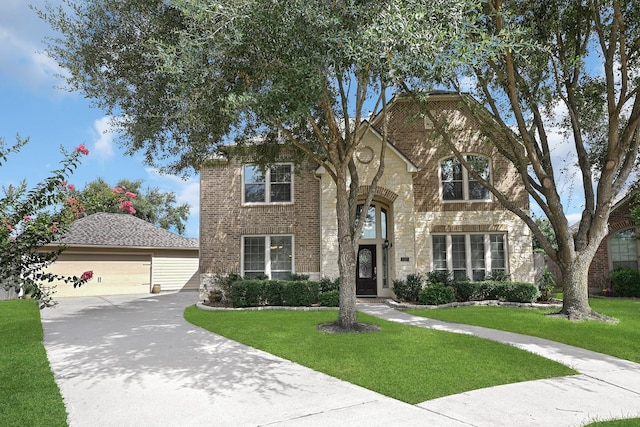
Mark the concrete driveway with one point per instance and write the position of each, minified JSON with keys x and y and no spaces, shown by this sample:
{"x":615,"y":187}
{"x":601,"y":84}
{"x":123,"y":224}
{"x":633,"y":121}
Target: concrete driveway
{"x":134,"y":361}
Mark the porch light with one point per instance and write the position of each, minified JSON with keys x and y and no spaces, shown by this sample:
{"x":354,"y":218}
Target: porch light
{"x":386,"y":244}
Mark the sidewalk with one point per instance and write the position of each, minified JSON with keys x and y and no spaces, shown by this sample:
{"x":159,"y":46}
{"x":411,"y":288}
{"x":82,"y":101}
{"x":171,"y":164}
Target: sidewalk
{"x":606,"y":387}
{"x":134,"y":361}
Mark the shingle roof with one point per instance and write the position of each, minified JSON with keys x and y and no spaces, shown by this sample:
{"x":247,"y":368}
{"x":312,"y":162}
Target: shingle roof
{"x":122,"y":230}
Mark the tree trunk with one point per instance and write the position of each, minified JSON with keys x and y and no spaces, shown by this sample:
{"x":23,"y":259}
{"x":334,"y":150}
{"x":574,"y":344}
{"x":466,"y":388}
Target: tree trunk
{"x":575,"y":304}
{"x":346,"y":261}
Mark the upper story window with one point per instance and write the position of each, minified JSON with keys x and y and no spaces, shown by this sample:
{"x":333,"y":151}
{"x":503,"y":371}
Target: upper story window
{"x":268,"y":185}
{"x":457,"y":182}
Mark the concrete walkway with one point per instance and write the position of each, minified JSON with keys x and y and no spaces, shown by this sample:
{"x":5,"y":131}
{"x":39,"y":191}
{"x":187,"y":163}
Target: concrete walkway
{"x":606,"y":388}
{"x":134,"y":361}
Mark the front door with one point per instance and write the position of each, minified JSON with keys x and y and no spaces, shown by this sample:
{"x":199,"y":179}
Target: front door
{"x":366,"y":271}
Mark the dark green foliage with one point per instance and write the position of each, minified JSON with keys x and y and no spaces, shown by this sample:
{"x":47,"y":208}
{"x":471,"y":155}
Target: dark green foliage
{"x":407,"y":290}
{"x":517,"y":291}
{"x":330,"y":298}
{"x":297,"y":277}
{"x":303,"y":293}
{"x":546,"y":284}
{"x":498,"y":276}
{"x":491,"y":290}
{"x":256,"y":292}
{"x":327,"y":285}
{"x":246,"y":293}
{"x":440,"y":276}
{"x":436,"y":294}
{"x":626,"y":282}
{"x":274,"y":292}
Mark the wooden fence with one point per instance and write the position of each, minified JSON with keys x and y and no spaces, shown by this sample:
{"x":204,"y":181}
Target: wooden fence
{"x":542,"y":260}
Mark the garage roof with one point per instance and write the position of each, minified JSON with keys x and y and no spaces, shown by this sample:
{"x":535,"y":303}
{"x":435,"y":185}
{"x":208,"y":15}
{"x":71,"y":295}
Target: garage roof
{"x":122,"y":230}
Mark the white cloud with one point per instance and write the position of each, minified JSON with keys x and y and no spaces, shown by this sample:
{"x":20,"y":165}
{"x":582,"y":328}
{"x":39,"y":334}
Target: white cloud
{"x":22,"y":58}
{"x":103,"y":145}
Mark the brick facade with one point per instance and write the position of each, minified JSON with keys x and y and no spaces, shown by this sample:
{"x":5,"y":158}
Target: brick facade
{"x":224,"y":220}
{"x":600,"y":267}
{"x":409,"y":191}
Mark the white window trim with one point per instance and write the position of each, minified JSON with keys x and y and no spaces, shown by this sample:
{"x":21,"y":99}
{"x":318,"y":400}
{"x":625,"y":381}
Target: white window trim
{"x":267,"y":257}
{"x":268,"y":186}
{"x":465,"y":180}
{"x":467,"y":248}
{"x":610,"y":249}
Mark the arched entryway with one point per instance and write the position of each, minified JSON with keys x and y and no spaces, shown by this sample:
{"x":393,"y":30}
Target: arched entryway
{"x":374,"y":246}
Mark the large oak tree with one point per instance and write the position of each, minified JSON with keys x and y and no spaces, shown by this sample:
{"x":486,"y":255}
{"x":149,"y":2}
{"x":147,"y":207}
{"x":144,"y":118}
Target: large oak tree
{"x":188,"y":76}
{"x":586,"y":64}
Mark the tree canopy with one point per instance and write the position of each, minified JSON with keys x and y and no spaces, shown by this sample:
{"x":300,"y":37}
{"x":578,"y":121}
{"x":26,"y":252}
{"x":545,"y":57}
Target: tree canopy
{"x":585,"y":64}
{"x":186,"y":77}
{"x":150,"y":204}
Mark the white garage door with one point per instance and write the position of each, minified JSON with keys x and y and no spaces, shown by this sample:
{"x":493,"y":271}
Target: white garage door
{"x":112,"y":274}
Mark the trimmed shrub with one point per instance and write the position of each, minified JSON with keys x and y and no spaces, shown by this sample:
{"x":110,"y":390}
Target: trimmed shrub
{"x":273,"y":292}
{"x":518,"y":291}
{"x":490,"y":290}
{"x":301,"y":293}
{"x":440,"y":276}
{"x":247,"y":293}
{"x":436,"y":294}
{"x":327,"y":284}
{"x":330,"y":298}
{"x":626,"y":282}
{"x":407,"y":290}
{"x":295,"y":277}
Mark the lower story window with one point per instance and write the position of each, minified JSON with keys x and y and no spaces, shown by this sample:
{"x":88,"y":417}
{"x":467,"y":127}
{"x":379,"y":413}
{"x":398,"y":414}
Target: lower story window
{"x":270,"y":256}
{"x":623,"y":247}
{"x":469,"y":256}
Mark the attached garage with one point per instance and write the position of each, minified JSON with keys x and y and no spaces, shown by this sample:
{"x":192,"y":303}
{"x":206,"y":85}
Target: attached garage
{"x":127,"y":256}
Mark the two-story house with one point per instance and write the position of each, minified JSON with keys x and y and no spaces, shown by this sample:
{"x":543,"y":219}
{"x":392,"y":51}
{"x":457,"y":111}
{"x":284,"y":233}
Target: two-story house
{"x":428,"y":213}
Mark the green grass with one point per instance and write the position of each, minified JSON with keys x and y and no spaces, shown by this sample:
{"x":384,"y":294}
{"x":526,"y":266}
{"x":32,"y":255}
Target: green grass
{"x":404,"y":362}
{"x":29,"y":394}
{"x":631,"y":422}
{"x":620,"y":339}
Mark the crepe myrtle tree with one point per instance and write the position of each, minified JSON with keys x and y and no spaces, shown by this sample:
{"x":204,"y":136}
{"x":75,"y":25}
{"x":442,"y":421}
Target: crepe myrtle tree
{"x":187,"y":77}
{"x":150,"y":204}
{"x":586,"y":64}
{"x":31,"y":219}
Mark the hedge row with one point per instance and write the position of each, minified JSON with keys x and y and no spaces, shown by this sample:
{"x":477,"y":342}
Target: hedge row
{"x":254,"y":292}
{"x":432,"y":292}
{"x":503,"y":291}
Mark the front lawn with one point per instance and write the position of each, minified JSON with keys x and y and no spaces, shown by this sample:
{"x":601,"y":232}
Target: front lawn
{"x":616,"y":339}
{"x":29,"y":394}
{"x":404,"y":362}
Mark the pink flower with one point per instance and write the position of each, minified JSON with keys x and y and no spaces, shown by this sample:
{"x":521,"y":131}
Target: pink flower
{"x":9,"y":227}
{"x":87,"y":275}
{"x":130,"y":194}
{"x":26,"y":218}
{"x":82,"y":149}
{"x":118,"y":190}
{"x":71,"y":187}
{"x":127,"y":205}
{"x":71,"y":201}
{"x":54,"y":226}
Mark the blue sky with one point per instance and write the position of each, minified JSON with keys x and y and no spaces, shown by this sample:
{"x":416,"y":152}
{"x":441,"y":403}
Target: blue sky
{"x":33,"y":105}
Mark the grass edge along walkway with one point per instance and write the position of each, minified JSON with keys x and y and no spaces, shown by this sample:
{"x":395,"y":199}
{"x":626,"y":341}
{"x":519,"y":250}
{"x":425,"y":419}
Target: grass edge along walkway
{"x":621,"y":340}
{"x":407,"y":363}
{"x":30,"y":395}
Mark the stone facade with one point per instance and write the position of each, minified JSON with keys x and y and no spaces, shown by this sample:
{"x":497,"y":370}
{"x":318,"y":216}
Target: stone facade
{"x":409,"y":192}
